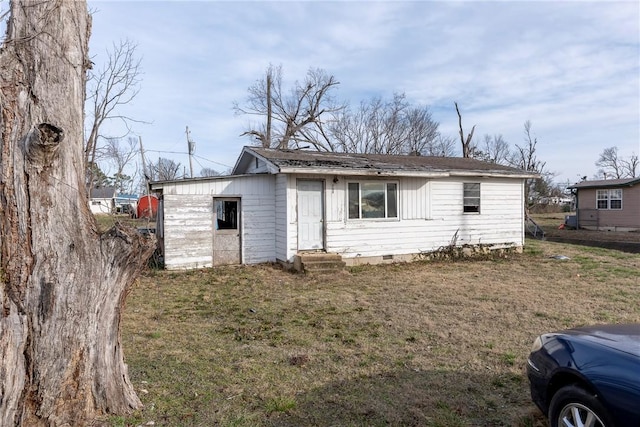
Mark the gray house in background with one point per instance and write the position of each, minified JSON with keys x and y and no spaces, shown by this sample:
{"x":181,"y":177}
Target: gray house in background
{"x":610,"y":205}
{"x":278,"y":204}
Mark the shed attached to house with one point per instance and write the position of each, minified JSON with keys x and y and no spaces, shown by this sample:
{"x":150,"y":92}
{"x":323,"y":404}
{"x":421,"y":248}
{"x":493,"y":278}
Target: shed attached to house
{"x":366,"y":208}
{"x":204,"y":222}
{"x":610,"y":205}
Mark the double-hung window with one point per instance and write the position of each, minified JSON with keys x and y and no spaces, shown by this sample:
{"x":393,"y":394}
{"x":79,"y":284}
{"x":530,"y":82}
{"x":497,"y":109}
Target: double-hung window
{"x":471,"y":197}
{"x":372,"y":200}
{"x":609,"y":199}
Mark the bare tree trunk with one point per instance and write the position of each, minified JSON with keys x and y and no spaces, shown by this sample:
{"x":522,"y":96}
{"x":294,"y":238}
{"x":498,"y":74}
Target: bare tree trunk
{"x":267,"y":142}
{"x":63,"y":284}
{"x":466,"y":143}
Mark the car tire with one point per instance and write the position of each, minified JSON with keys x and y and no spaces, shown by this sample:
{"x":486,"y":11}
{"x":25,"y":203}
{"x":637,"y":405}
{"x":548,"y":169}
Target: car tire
{"x":571,"y":402}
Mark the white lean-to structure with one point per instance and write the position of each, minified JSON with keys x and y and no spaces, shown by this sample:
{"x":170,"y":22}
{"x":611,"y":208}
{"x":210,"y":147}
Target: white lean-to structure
{"x":366,"y":208}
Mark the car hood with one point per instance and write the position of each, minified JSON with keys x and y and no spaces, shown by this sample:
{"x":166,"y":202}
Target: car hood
{"x":623,"y":337}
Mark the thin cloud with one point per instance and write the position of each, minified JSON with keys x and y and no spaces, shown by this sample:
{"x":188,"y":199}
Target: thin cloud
{"x":572,"y":68}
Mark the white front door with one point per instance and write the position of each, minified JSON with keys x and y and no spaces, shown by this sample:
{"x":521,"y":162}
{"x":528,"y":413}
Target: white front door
{"x":310,"y":215}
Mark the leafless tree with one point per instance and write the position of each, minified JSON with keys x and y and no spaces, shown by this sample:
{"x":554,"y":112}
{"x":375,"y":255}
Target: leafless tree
{"x":108,"y":89}
{"x":494,"y":149}
{"x":287,"y":115}
{"x":524,"y":157}
{"x":310,"y":116}
{"x":467,"y":147}
{"x":164,"y":170}
{"x":612,"y":166}
{"x":121,"y":154}
{"x":443,"y":146}
{"x":609,"y":164}
{"x":63,"y":282}
{"x":207,"y":172}
{"x":633,"y":166}
{"x":385,"y":127}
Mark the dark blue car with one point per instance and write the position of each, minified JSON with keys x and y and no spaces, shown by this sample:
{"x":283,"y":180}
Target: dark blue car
{"x":588,"y":376}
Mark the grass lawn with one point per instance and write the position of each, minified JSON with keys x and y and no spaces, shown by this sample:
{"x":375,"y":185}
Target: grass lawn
{"x":421,"y":344}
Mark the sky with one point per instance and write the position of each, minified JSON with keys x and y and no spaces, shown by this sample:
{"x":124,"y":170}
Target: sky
{"x":570,"y":68}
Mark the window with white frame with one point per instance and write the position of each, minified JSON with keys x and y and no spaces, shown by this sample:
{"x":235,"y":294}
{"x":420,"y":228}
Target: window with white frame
{"x":609,"y":199}
{"x":471,"y":197}
{"x":368,"y":200}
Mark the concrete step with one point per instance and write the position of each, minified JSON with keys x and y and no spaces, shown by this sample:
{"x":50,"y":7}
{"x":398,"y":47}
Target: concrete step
{"x":318,"y":262}
{"x":319,"y":257}
{"x":323,"y":266}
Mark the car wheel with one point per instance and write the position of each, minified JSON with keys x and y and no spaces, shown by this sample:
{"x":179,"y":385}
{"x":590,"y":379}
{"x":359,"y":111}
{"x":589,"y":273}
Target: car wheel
{"x":572,"y":406}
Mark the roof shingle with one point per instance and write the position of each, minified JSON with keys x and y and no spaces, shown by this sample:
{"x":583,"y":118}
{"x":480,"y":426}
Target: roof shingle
{"x":379,"y":162}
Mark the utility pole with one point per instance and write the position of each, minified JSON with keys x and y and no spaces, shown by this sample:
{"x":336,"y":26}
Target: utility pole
{"x":191,"y":146}
{"x":144,"y":165}
{"x":147,"y":178}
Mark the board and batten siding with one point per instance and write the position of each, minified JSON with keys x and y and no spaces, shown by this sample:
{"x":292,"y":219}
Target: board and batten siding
{"x":281,"y":216}
{"x":188,"y":219}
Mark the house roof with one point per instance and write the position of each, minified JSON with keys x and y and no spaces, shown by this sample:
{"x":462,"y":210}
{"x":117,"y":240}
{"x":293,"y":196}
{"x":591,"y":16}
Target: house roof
{"x":300,"y":161}
{"x":103,"y":193}
{"x":606,"y":183}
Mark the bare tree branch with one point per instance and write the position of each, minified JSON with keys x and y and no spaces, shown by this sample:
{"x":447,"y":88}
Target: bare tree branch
{"x":612,"y":166}
{"x":113,"y":86}
{"x":164,"y":170}
{"x":467,"y":149}
{"x":525,"y":158}
{"x":385,"y":127}
{"x":121,"y":155}
{"x":494,"y":150}
{"x":288,"y":118}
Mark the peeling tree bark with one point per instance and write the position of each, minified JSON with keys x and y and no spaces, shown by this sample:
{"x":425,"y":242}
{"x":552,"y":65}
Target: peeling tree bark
{"x":63,"y":283}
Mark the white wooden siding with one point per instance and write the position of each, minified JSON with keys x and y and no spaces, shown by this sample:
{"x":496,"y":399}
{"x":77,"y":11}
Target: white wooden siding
{"x":260,"y":168}
{"x":430,"y":216}
{"x":188,"y":231}
{"x":414,"y":199}
{"x":281,"y":216}
{"x":188,"y":219}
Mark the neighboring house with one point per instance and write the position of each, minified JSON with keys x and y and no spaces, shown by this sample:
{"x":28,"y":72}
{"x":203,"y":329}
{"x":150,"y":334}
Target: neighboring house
{"x":366,"y":208}
{"x":102,"y":200}
{"x":611,"y":204}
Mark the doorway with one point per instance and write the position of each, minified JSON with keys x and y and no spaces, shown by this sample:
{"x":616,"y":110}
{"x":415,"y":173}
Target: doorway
{"x":310,"y":215}
{"x":226,"y":231}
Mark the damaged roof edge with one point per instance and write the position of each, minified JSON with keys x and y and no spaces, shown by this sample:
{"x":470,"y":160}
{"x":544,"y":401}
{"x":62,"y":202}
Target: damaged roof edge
{"x":401,"y":173}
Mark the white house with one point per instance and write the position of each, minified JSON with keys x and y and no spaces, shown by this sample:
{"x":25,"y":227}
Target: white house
{"x":102,"y":200}
{"x":278,"y":204}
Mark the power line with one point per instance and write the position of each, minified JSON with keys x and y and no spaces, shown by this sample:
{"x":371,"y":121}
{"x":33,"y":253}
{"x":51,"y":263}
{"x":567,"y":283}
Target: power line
{"x":186,"y":154}
{"x":212,"y":161}
{"x":167,"y":152}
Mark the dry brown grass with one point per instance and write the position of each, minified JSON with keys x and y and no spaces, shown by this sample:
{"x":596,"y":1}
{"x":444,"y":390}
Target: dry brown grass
{"x":422,"y":344}
{"x":106,"y":221}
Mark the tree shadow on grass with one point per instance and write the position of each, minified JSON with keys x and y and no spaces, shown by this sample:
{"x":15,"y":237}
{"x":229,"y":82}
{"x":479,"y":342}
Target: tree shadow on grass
{"x":410,"y":398}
